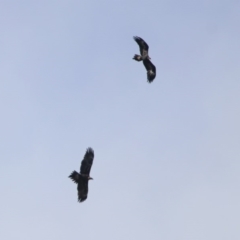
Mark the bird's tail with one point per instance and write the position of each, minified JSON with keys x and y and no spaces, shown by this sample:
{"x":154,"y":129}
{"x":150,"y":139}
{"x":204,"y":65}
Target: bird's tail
{"x":137,"y":57}
{"x":74,"y":176}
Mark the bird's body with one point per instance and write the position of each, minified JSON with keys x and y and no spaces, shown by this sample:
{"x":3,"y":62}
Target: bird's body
{"x":151,"y":69}
{"x":82,"y":179}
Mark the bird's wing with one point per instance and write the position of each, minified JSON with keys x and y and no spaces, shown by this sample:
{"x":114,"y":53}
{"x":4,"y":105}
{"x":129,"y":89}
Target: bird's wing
{"x":149,"y":66}
{"x":82,"y":189}
{"x":87,"y":162}
{"x":74,"y":176}
{"x":142,"y":45}
{"x":151,"y":70}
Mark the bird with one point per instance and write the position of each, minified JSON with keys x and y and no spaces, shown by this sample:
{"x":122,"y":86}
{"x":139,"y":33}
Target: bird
{"x":82,"y":178}
{"x":144,"y":57}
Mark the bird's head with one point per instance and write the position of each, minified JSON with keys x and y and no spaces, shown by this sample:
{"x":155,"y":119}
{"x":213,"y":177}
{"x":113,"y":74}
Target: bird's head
{"x":90,"y":178}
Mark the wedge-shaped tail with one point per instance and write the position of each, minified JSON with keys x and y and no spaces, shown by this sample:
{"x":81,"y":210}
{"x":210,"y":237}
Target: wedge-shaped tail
{"x":137,"y":57}
{"x":75,"y":176}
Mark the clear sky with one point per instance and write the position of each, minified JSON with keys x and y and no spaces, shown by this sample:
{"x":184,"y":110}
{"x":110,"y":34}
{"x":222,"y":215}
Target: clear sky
{"x":167,"y":154}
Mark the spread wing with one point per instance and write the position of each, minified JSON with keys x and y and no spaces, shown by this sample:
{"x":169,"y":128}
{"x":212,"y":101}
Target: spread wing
{"x":151,"y":70}
{"x":87,"y":162}
{"x":82,"y":189}
{"x":74,"y":176}
{"x":142,"y":45}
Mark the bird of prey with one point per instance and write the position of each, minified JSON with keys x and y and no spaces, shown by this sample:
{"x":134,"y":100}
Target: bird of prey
{"x":82,"y":179}
{"x":151,"y":69}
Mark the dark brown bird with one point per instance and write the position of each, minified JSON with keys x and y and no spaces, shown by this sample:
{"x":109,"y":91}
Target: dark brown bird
{"x":82,"y":179}
{"x":151,"y":69}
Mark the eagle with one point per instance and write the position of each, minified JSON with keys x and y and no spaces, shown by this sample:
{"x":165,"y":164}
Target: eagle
{"x":82,"y":179}
{"x":151,"y":69}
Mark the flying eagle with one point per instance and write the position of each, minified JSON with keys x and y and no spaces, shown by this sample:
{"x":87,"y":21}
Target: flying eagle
{"x":82,"y":179}
{"x":151,"y":69}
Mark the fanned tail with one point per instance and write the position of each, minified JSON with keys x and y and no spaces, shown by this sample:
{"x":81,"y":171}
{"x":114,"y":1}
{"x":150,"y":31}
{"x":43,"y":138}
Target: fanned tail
{"x":137,"y":57}
{"x":74,"y":176}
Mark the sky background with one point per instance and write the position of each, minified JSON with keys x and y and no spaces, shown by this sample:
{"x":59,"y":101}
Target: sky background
{"x":167,"y":154}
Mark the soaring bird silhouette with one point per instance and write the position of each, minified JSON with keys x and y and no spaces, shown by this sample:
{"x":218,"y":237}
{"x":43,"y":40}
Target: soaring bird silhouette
{"x":82,"y":179}
{"x":151,"y":69}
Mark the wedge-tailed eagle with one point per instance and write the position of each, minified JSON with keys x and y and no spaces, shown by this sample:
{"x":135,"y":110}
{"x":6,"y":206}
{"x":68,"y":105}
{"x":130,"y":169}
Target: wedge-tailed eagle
{"x":82,"y":179}
{"x":151,"y":69}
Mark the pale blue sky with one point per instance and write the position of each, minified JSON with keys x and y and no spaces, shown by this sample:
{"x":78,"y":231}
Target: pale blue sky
{"x":167,"y":154}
